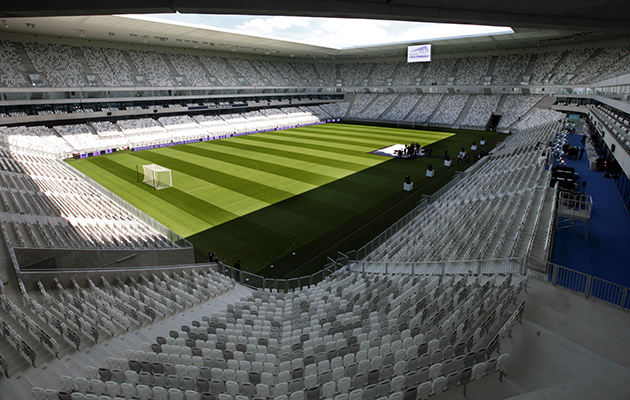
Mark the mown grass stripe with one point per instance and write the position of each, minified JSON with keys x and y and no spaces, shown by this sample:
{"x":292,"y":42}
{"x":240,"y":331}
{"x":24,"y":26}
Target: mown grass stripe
{"x":232,"y":182}
{"x":111,"y":173}
{"x":378,"y":134}
{"x":357,"y":144}
{"x":251,"y":172}
{"x":327,"y":153}
{"x":259,"y":163}
{"x":314,"y":207}
{"x":300,"y":175}
{"x":267,"y":154}
{"x":294,"y":152}
{"x":321,"y":150}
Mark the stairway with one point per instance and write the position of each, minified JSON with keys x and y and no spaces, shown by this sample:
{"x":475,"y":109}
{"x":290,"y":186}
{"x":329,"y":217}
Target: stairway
{"x":545,"y":103}
{"x":501,"y":103}
{"x":48,"y":372}
{"x":426,"y":123}
{"x":396,"y":100}
{"x":413,"y":109}
{"x":78,"y":54}
{"x":24,"y":58}
{"x":170,"y":66}
{"x":538,"y":248}
{"x":350,"y":96}
{"x":465,"y":110}
{"x":493,"y":63}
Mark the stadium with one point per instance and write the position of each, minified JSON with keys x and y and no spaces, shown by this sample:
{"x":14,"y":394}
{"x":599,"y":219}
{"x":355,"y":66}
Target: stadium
{"x":195,"y":213}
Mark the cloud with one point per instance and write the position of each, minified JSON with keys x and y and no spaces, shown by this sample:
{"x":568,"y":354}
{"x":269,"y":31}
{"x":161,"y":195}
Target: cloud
{"x":269,"y":26}
{"x":339,"y":33}
{"x":428,"y":31}
{"x":256,"y":26}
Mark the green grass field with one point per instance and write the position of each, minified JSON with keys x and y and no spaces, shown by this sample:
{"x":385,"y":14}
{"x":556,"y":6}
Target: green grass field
{"x":260,"y":198}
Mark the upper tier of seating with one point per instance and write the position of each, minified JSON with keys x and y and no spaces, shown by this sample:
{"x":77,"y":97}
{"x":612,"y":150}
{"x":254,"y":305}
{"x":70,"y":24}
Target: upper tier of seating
{"x":67,"y":66}
{"x":441,"y":109}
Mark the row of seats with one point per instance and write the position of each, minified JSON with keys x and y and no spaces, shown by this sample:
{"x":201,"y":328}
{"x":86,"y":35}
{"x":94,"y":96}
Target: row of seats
{"x":233,"y":376}
{"x":416,"y":386}
{"x":62,"y":202}
{"x":94,"y":311}
{"x":480,"y":111}
{"x":471,"y":70}
{"x":450,"y":109}
{"x":486,"y":212}
{"x":62,"y":68}
{"x":616,"y":124}
{"x":515,"y":107}
{"x":65,"y":140}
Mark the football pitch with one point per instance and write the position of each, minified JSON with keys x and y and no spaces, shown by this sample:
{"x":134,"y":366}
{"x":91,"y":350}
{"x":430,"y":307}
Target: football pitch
{"x":261,"y":198}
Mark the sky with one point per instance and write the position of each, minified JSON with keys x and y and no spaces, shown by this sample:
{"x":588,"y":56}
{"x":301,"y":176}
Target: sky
{"x":336,"y":33}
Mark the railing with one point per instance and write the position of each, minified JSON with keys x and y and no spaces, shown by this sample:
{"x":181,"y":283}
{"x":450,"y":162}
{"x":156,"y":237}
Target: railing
{"x":392,"y":230}
{"x":410,"y":216}
{"x":476,"y":267}
{"x":588,"y":285}
{"x":575,"y":206}
{"x":557,"y":275}
{"x":552,"y":222}
{"x":257,"y":281}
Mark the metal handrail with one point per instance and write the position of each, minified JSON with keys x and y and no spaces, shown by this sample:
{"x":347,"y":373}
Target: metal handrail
{"x":256,"y":281}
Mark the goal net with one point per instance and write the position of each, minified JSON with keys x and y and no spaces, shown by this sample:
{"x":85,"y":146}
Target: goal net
{"x":156,"y":176}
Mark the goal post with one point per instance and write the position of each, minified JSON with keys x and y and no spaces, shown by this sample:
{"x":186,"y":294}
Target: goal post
{"x":156,"y":176}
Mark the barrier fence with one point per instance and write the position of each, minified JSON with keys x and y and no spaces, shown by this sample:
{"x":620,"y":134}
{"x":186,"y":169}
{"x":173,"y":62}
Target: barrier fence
{"x":476,"y":267}
{"x":590,"y":286}
{"x":392,"y":230}
{"x":257,"y":281}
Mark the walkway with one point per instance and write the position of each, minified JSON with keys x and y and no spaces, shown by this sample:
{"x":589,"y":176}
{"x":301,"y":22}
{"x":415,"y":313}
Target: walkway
{"x":605,"y":253}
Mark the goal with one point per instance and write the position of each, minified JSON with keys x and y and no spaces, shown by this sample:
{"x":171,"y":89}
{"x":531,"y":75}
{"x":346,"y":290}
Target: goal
{"x":156,"y":176}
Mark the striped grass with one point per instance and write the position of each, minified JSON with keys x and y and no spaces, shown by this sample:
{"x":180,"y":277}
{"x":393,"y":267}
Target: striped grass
{"x":260,"y":197}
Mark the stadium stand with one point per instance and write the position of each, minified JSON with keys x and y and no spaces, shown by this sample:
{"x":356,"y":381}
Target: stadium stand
{"x":11,"y":68}
{"x":61,"y":67}
{"x":406,"y":74}
{"x":374,"y":110}
{"x":449,"y":110}
{"x":354,"y":74}
{"x":480,"y":112}
{"x":401,"y":108}
{"x":217,"y":67}
{"x":510,"y":68}
{"x":543,"y":66}
{"x":344,"y":342}
{"x":382,"y":73}
{"x":188,"y":66}
{"x":437,"y":71}
{"x":425,"y":107}
{"x":57,"y":62}
{"x":378,"y":328}
{"x":571,"y":60}
{"x":471,"y":69}
{"x":152,"y":66}
{"x":515,"y":107}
